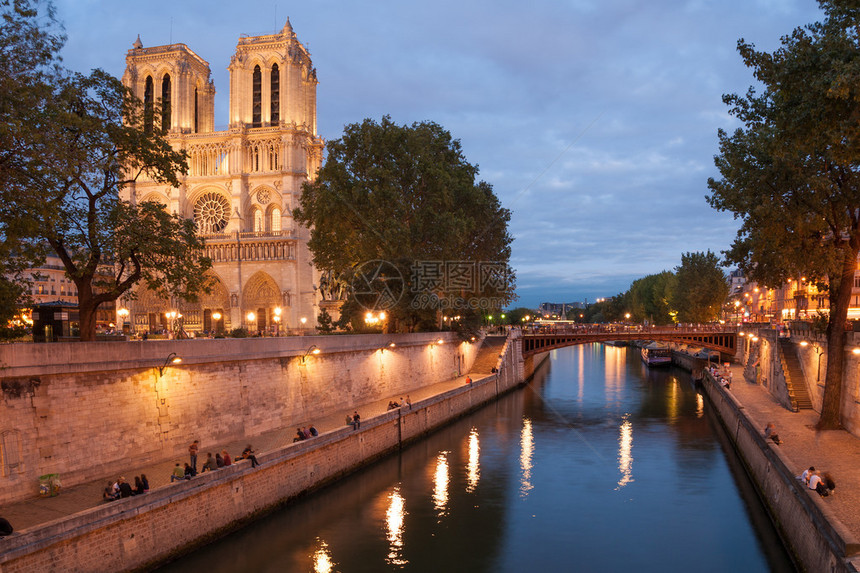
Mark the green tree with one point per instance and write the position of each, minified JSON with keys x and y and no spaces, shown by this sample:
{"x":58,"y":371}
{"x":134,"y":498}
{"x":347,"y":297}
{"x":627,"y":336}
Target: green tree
{"x":80,"y":144}
{"x":700,"y":289}
{"x":790,"y":173}
{"x":649,"y":298}
{"x":29,"y":43}
{"x":406,"y":195}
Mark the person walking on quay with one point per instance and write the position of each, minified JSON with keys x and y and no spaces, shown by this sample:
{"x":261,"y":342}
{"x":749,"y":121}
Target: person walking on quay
{"x":192,"y":452}
{"x":356,"y":421}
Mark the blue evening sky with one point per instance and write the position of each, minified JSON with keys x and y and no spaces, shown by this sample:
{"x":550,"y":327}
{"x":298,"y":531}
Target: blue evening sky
{"x":594,"y":120}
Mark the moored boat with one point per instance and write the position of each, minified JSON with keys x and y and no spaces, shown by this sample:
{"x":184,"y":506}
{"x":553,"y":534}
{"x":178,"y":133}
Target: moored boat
{"x":656,"y":354}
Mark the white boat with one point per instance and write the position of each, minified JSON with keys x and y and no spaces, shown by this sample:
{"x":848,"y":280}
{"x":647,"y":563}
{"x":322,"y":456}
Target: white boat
{"x":656,"y":354}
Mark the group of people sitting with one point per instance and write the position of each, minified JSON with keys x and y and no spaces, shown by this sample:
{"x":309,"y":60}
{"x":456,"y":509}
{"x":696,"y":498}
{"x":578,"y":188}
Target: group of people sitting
{"x":121,"y":488}
{"x":305,"y":433}
{"x":821,"y":483}
{"x":723,"y":376}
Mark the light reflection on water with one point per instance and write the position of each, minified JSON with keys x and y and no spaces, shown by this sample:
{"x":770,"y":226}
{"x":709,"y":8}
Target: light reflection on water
{"x":322,"y":558}
{"x":625,"y":457}
{"x":440,"y":485}
{"x":526,"y":451}
{"x":473,"y":469}
{"x":395,"y":517}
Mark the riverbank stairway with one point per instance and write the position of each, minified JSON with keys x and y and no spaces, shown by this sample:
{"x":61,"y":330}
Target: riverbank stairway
{"x":794,"y":377}
{"x":488,"y":354}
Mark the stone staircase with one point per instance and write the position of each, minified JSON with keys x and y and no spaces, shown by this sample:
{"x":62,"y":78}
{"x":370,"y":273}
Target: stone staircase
{"x":794,"y":377}
{"x":488,"y":354}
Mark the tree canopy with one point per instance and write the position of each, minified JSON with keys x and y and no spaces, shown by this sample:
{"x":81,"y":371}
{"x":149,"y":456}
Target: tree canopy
{"x":700,"y":289}
{"x":397,"y":209}
{"x":790,"y":172}
{"x":76,"y":141}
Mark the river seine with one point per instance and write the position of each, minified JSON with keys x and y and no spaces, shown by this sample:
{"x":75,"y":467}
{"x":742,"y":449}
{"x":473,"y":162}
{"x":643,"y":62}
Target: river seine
{"x":599,"y":464}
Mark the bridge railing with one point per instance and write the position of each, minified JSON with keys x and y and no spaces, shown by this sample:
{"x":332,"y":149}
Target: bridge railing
{"x":628,"y":328}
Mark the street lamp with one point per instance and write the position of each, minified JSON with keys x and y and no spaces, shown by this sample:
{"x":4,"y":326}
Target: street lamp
{"x":172,"y":358}
{"x":303,"y":320}
{"x":277,"y":320}
{"x":251,"y":317}
{"x":312,"y":349}
{"x":123,"y":314}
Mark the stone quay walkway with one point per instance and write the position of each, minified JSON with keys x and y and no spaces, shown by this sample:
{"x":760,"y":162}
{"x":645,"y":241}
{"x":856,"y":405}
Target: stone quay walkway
{"x":834,"y":451}
{"x":38,"y":511}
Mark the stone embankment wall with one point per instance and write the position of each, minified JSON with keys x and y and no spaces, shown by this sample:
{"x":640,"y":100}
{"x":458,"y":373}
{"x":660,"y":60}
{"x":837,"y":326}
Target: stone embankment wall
{"x":816,"y":537}
{"x":85,"y":409}
{"x":141,"y":531}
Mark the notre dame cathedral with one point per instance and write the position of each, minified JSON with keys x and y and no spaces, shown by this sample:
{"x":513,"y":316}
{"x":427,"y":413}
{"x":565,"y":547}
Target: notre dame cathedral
{"x":242,"y":183}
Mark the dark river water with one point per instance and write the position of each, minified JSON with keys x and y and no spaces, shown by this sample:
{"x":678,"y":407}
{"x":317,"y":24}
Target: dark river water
{"x":600,"y":464}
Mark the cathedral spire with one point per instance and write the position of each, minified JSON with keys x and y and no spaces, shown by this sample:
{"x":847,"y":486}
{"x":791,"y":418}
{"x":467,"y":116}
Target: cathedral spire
{"x":137,"y":43}
{"x":288,"y":28}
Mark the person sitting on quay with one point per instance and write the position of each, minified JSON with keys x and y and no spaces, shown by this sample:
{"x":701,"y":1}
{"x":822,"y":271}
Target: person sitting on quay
{"x":109,"y":494}
{"x":124,"y":488}
{"x":138,"y":486}
{"x":468,"y":380}
{"x":299,"y":436}
{"x":306,"y":433}
{"x":770,"y":433}
{"x":408,"y":402}
{"x":356,"y":421}
{"x":829,"y":483}
{"x":178,"y":473}
{"x":392,"y":405}
{"x":226,"y":457}
{"x":349,"y":420}
{"x":816,"y":484}
{"x":219,"y":461}
{"x":189,"y":471}
{"x":804,"y":477}
{"x":313,"y":431}
{"x":248,"y":454}
{"x":210,"y":464}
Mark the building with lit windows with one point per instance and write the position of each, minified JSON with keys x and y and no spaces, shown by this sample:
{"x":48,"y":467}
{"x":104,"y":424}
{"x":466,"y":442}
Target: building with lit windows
{"x":243,"y":181}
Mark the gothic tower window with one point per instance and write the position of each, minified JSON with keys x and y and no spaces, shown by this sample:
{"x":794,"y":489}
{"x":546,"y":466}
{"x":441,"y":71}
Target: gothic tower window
{"x":165,"y":103}
{"x":196,"y":110}
{"x":258,"y":220}
{"x":257,"y":98}
{"x":276,"y":219}
{"x":147,"y":105}
{"x":276,"y":94}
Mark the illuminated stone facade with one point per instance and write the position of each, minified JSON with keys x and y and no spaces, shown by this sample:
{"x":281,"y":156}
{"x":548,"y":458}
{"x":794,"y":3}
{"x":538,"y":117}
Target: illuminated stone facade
{"x":243,"y":182}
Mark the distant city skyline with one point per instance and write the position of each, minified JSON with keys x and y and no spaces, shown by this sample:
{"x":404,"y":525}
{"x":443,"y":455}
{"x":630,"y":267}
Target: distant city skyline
{"x":595,"y":122}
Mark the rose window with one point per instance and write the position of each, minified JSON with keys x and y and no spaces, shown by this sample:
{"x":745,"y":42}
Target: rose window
{"x":263,"y":196}
{"x":211,"y":213}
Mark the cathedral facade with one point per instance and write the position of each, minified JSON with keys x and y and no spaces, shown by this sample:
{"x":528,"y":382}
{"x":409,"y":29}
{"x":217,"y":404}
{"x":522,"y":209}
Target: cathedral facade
{"x":242,"y":183}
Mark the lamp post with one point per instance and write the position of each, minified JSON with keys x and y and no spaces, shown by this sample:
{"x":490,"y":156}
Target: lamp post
{"x":250,"y":317}
{"x":304,"y":321}
{"x":123,"y":315}
{"x":172,"y":358}
{"x":171,"y":316}
{"x":277,"y":320}
{"x":216,"y":316}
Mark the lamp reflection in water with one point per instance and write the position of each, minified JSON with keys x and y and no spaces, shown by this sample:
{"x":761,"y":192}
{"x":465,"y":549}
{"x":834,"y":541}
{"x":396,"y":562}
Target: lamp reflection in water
{"x":673,"y":396}
{"x":473,"y":469}
{"x":322,"y":558}
{"x":625,"y":448}
{"x":700,"y":405}
{"x":394,"y":518}
{"x":440,"y":485}
{"x":526,"y":451}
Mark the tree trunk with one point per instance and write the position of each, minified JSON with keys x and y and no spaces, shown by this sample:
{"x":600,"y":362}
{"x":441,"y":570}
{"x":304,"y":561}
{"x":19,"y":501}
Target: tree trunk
{"x":831,"y":408}
{"x":87,"y":311}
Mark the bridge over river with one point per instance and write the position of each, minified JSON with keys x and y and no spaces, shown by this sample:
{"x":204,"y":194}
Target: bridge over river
{"x":544,"y":339}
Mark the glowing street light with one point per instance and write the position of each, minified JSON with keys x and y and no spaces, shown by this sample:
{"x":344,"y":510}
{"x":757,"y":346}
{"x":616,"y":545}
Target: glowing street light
{"x":172,"y":358}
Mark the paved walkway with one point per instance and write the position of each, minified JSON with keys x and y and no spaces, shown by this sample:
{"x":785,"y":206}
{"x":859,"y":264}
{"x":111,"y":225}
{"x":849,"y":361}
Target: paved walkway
{"x":37,"y":511}
{"x":833,"y":451}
